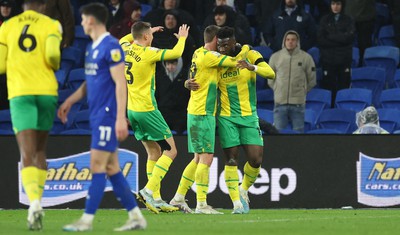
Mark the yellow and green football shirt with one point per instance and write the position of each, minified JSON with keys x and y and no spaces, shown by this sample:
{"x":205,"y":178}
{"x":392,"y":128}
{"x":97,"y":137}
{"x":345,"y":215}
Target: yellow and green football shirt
{"x":25,"y":36}
{"x":204,"y":69}
{"x":237,"y":87}
{"x":140,"y":64}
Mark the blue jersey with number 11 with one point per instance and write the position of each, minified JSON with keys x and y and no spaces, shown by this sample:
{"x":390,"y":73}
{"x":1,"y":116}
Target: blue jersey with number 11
{"x":100,"y":56}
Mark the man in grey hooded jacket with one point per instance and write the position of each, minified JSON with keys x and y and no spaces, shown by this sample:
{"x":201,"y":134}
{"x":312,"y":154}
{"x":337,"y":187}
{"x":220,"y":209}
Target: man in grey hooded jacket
{"x":295,"y":76}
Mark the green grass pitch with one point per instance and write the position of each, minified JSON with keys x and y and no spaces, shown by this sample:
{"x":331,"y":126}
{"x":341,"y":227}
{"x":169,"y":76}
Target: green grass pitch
{"x":274,"y":222}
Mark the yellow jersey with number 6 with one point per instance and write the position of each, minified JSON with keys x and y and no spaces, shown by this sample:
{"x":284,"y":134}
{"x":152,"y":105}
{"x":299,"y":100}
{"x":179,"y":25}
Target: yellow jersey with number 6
{"x":25,"y":37}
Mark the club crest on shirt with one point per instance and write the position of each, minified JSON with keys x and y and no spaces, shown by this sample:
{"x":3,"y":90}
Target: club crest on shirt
{"x":217,"y":54}
{"x":115,"y":55}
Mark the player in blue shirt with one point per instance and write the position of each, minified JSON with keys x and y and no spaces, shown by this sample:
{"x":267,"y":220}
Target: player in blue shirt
{"x":106,"y":91}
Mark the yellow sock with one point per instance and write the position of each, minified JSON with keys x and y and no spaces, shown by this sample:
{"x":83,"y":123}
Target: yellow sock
{"x":188,"y":177}
{"x":30,"y":181}
{"x":160,"y":169}
{"x":250,"y":176}
{"x":202,"y":175}
{"x":42,"y":174}
{"x":232,"y":182}
{"x":149,"y":170}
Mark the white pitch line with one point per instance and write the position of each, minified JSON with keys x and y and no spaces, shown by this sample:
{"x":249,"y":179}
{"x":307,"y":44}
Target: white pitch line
{"x":310,"y":219}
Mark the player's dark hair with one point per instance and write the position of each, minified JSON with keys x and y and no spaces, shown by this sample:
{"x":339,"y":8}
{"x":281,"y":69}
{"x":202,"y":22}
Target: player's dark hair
{"x":97,"y":10}
{"x":226,"y":32}
{"x":210,"y":32}
{"x":139,"y":28}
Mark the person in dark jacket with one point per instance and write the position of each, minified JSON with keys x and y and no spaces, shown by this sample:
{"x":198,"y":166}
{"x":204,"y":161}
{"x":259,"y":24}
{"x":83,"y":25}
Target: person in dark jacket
{"x":363,"y":13}
{"x":132,"y":13}
{"x":394,"y":6}
{"x":335,"y":37}
{"x":171,"y":95}
{"x":290,"y":16}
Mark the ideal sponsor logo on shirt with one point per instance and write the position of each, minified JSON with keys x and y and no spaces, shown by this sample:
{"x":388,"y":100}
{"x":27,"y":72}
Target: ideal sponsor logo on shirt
{"x":69,"y":178}
{"x":230,"y":74}
{"x":378,"y":181}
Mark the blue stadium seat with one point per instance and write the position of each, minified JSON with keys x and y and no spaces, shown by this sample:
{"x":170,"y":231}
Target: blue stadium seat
{"x":355,"y":99}
{"x":76,"y":132}
{"x":146,"y":8}
{"x":310,"y":120}
{"x":356,"y":57}
{"x":5,"y":120}
{"x":81,"y":120}
{"x":386,"y":57}
{"x":288,"y":131}
{"x":318,"y":100}
{"x":81,"y":40}
{"x":250,"y":9}
{"x":386,"y":36}
{"x":58,"y":126}
{"x":61,"y":76}
{"x":70,"y":58}
{"x":76,"y":78}
{"x":261,"y":83}
{"x":266,"y":115}
{"x":253,"y":32}
{"x":324,"y":131}
{"x":265,"y":51}
{"x":390,"y":98}
{"x":397,"y":78}
{"x":314,"y":52}
{"x":265,"y":99}
{"x":342,"y":120}
{"x":371,"y":78}
{"x":6,"y":132}
{"x":389,"y":119}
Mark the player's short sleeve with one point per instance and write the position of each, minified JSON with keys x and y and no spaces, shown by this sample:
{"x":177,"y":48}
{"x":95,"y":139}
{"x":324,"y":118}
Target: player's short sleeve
{"x":214,"y":59}
{"x":114,"y":54}
{"x":154,"y":54}
{"x":55,"y":30}
{"x":255,"y":57}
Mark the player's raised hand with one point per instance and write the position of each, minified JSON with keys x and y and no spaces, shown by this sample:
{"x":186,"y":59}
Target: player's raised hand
{"x":121,"y":129}
{"x":183,"y":31}
{"x":157,"y":29}
{"x":63,"y":111}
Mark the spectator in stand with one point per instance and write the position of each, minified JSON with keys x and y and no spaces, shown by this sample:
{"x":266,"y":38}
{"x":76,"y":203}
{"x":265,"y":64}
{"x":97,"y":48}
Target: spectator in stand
{"x":394,"y":6}
{"x":199,"y":9}
{"x":225,"y":16}
{"x":264,"y":10}
{"x":335,"y":36}
{"x":368,"y":122}
{"x":61,"y":10}
{"x":6,"y":10}
{"x":116,"y":12}
{"x":156,"y":17}
{"x":171,"y":95}
{"x":132,"y":13}
{"x":317,"y":8}
{"x":295,"y":77}
{"x":364,"y":14}
{"x":167,"y":38}
{"x":290,"y":16}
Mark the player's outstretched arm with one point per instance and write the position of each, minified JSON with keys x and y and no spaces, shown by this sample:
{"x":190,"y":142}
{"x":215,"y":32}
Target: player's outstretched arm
{"x":65,"y":107}
{"x":121,"y":125}
{"x":262,"y":68}
{"x":52,"y":52}
{"x":177,"y":51}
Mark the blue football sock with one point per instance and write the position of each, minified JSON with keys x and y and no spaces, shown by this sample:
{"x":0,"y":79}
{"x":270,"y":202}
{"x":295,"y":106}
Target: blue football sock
{"x":122,"y":191}
{"x":96,"y":192}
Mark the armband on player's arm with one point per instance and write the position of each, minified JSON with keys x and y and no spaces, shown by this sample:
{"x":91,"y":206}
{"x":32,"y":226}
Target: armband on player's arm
{"x":264,"y":70}
{"x":3,"y":58}
{"x":52,"y":52}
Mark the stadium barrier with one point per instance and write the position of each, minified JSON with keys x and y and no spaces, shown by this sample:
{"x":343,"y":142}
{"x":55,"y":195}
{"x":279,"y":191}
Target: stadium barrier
{"x":298,"y":171}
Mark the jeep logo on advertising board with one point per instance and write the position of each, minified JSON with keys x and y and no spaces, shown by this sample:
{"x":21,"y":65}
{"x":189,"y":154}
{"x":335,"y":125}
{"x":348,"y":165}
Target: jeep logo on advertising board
{"x":378,"y":181}
{"x":69,"y":178}
{"x":264,"y":182}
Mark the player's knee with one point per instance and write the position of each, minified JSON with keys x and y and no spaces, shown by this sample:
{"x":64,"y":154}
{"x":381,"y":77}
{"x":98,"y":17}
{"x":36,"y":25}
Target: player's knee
{"x":255,"y":162}
{"x":231,"y":162}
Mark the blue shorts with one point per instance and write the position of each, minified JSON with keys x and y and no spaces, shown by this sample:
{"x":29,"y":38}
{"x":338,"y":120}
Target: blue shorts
{"x":103,"y":134}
